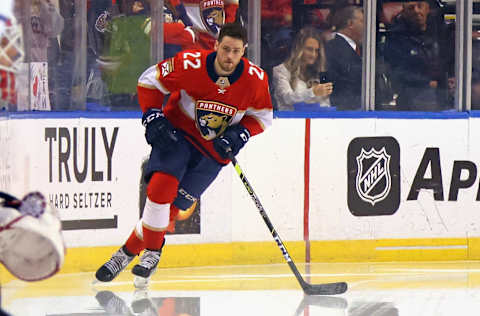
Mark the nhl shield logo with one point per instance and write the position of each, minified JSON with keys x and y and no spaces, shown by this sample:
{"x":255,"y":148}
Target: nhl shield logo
{"x":373,"y":181}
{"x":213,"y":15}
{"x":373,"y":176}
{"x":212,"y":118}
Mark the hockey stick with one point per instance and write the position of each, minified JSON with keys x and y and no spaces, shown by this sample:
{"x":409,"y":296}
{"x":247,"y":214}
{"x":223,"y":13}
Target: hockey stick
{"x":7,"y":197}
{"x":309,"y":289}
{"x":9,"y":200}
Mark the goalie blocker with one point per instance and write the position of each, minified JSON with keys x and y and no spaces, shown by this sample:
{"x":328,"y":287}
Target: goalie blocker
{"x":31,"y":242}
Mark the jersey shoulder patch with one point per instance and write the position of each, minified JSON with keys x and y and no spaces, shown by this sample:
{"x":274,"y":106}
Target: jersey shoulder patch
{"x":167,"y":67}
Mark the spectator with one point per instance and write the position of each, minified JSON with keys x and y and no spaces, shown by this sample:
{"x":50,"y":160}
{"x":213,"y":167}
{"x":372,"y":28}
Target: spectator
{"x":344,"y":61}
{"x":451,"y":89}
{"x":11,"y":56}
{"x":298,"y":79}
{"x":176,"y":35}
{"x":205,"y":18}
{"x":42,"y":22}
{"x":46,"y":22}
{"x":99,"y":16}
{"x":475,"y":90}
{"x":66,"y":79}
{"x":417,"y":59}
{"x":276,"y":14}
{"x":476,"y":47}
{"x":127,"y":53}
{"x":277,"y":34}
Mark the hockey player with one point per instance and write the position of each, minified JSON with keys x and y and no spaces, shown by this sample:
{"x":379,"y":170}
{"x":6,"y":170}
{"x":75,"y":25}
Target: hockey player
{"x":205,"y":17}
{"x":218,"y":100}
{"x":31,"y":242}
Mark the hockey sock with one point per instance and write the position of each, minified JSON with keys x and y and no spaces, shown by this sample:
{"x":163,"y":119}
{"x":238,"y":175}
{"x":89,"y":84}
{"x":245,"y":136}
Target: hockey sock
{"x":173,"y":216}
{"x":161,"y":191}
{"x":134,"y":243}
{"x":162,"y":188}
{"x":155,"y":222}
{"x":153,"y":239}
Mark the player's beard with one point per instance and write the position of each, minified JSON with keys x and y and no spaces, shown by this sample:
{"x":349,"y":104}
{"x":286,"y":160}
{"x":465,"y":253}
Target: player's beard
{"x":227,"y":66}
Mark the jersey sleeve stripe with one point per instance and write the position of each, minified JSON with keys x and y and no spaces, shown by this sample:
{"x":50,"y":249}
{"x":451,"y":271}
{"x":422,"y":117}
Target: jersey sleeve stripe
{"x":264,"y":117}
{"x":147,"y":86}
{"x":191,"y":33}
{"x":253,"y":125}
{"x":187,"y":104}
{"x":257,"y":121}
{"x":150,"y":78}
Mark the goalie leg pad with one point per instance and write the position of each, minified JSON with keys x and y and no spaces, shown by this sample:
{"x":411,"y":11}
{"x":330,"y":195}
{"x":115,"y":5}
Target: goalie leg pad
{"x":17,"y":238}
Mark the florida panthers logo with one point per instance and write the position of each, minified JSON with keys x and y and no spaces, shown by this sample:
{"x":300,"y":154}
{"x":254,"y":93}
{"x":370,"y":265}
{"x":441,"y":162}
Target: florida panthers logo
{"x":212,"y":118}
{"x":373,"y":175}
{"x":213,"y":15}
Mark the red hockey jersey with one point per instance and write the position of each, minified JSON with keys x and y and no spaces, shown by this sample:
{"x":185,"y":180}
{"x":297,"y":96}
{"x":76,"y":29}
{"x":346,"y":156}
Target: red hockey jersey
{"x":200,"y":107}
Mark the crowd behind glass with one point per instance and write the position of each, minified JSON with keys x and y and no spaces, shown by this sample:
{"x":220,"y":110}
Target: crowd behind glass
{"x":88,"y":54}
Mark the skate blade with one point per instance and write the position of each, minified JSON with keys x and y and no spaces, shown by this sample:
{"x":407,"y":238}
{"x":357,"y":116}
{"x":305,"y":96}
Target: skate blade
{"x":140,"y":282}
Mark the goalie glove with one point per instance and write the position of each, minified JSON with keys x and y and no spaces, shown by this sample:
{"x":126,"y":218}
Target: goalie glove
{"x":31,"y":242}
{"x":231,"y":141}
{"x":158,"y":130}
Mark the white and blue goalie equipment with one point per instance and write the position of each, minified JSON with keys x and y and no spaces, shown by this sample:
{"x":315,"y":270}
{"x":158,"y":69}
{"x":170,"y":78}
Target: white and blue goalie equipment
{"x":31,"y":242}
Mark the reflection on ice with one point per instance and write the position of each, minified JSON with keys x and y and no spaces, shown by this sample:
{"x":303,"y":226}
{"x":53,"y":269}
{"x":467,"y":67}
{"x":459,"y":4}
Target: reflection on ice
{"x":142,"y":304}
{"x":375,"y":289}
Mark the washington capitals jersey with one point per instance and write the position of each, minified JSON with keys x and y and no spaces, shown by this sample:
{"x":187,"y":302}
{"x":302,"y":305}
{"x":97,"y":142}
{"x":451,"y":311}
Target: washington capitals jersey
{"x":199,"y":104}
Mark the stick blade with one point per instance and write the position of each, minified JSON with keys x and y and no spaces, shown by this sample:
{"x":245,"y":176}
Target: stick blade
{"x":325,"y":289}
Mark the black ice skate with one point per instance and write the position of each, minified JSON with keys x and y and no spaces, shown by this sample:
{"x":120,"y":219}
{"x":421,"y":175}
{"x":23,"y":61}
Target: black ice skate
{"x":148,"y":263}
{"x":114,"y":266}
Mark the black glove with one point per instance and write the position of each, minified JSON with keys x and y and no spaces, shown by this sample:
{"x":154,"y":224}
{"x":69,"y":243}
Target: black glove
{"x":158,"y":130}
{"x":182,"y":15}
{"x":231,"y":141}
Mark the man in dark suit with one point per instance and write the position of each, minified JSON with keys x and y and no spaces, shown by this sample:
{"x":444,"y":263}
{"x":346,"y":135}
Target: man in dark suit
{"x":418,"y":56}
{"x":344,"y":61}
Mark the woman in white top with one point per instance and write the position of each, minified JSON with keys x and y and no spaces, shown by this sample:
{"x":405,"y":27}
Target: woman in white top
{"x":297,"y":79}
